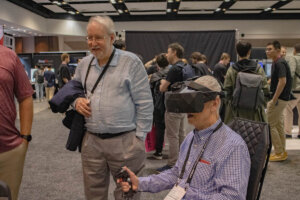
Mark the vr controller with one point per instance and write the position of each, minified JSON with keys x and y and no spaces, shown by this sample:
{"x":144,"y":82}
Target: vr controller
{"x":124,"y":176}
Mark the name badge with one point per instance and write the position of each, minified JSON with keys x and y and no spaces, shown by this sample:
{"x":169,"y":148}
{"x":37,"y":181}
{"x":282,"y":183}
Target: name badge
{"x":177,"y":193}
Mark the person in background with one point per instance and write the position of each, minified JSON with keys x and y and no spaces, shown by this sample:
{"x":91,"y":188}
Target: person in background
{"x":118,"y":112}
{"x":220,"y":69}
{"x":159,"y":103}
{"x":175,"y":126}
{"x":223,"y":170}
{"x":294,"y":63}
{"x":39,"y":82}
{"x":244,"y":64}
{"x":120,"y":44}
{"x":13,"y":142}
{"x":195,"y":57}
{"x":49,"y":76}
{"x":283,"y":52}
{"x":281,"y":85}
{"x":64,"y":74}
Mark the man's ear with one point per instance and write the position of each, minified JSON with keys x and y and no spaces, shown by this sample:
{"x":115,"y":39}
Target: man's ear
{"x":215,"y":104}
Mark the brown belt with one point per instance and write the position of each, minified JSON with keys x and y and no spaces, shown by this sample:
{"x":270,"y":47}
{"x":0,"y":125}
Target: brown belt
{"x":109,"y":135}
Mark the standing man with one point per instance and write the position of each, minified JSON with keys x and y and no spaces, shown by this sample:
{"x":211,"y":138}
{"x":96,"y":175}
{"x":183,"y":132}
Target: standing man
{"x":64,"y":73}
{"x":281,"y":85}
{"x":118,"y":113}
{"x":175,"y":127}
{"x":50,"y":83}
{"x":13,"y":143}
{"x":220,"y":69}
{"x":294,"y":63}
{"x":39,"y":82}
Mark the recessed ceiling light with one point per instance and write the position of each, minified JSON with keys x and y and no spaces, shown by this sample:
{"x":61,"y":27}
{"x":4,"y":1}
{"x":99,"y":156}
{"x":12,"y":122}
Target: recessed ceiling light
{"x":169,"y":10}
{"x":77,"y":12}
{"x":273,"y":9}
{"x":226,"y":0}
{"x":64,"y":3}
{"x":177,"y":0}
{"x":120,"y":1}
{"x":174,"y":10}
{"x":71,"y":12}
{"x":113,"y":1}
{"x":224,"y":9}
{"x":267,"y":9}
{"x":170,"y":1}
{"x":218,"y":9}
{"x":126,"y":11}
{"x":120,"y":11}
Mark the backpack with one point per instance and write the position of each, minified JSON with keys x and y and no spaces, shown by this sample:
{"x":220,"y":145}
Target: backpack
{"x":188,"y":71}
{"x":248,"y":93}
{"x":40,"y":78}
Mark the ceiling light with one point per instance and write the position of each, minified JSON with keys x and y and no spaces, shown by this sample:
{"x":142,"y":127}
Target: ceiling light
{"x":64,"y":3}
{"x":120,"y":11}
{"x":174,"y":10}
{"x":113,"y":1}
{"x":267,"y":9}
{"x":71,"y":12}
{"x":177,"y":0}
{"x":77,"y":12}
{"x":120,"y":1}
{"x":273,"y":9}
{"x":169,"y":10}
{"x":170,"y":1}
{"x":218,"y":9}
{"x":56,"y":2}
{"x":226,"y":0}
{"x":224,"y":9}
{"x":126,"y":11}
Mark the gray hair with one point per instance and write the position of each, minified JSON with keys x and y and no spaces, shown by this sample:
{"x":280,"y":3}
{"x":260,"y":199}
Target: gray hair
{"x":106,"y":22}
{"x":211,"y":83}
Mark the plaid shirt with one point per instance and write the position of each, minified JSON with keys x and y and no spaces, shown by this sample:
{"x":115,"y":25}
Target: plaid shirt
{"x":222,"y":173}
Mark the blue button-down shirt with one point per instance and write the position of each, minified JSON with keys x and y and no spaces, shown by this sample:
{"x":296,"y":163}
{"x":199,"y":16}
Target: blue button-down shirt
{"x":122,"y":100}
{"x":222,"y":173}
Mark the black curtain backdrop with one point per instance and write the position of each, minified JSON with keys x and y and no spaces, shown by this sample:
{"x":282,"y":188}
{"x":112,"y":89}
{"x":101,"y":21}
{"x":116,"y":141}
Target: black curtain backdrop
{"x":211,"y":43}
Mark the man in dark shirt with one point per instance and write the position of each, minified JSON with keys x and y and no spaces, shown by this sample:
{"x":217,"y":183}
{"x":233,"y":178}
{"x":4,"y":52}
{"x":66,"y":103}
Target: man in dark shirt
{"x":50,"y":83}
{"x":13,"y":142}
{"x":281,"y":85}
{"x":220,"y":69}
{"x":64,"y":73}
{"x":175,"y":126}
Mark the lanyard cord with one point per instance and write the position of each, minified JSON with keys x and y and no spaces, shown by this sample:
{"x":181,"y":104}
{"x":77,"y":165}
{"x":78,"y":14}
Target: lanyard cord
{"x":198,"y":158}
{"x":101,"y":75}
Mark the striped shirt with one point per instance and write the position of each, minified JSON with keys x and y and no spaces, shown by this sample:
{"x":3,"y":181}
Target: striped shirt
{"x":222,"y":173}
{"x":122,"y":100}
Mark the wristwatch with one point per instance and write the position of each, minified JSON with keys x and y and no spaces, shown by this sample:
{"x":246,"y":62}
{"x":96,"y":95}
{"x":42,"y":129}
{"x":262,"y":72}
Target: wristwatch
{"x":26,"y":137}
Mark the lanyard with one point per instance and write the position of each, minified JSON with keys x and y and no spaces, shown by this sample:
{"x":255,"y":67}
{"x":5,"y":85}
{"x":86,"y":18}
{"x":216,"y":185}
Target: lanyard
{"x":101,"y":75}
{"x":198,"y":158}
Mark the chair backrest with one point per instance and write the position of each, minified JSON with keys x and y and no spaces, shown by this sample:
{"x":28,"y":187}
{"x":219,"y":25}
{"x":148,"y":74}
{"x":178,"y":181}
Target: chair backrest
{"x":4,"y":191}
{"x":258,"y":139}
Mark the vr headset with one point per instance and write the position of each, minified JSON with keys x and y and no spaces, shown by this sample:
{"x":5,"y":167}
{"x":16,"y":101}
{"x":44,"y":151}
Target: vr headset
{"x":188,"y":97}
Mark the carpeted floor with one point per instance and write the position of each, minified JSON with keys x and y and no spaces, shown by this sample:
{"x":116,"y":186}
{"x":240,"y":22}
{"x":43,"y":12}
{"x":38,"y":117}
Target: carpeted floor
{"x":54,"y":173}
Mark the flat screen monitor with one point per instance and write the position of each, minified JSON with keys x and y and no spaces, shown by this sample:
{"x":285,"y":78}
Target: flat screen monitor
{"x":268,"y":69}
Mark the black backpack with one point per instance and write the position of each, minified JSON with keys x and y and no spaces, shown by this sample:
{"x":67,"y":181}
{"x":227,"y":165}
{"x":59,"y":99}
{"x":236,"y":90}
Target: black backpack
{"x":248,"y":93}
{"x":40,"y":78}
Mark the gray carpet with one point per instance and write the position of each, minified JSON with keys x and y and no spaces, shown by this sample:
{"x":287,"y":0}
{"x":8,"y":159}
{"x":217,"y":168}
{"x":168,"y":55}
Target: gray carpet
{"x":54,"y":173}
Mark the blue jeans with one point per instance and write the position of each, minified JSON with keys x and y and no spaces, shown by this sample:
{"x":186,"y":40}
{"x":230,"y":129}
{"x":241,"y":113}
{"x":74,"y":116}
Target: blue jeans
{"x":39,"y":90}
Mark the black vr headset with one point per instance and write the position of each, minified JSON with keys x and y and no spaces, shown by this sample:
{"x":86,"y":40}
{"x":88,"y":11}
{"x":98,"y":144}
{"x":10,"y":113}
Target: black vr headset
{"x":188,"y":97}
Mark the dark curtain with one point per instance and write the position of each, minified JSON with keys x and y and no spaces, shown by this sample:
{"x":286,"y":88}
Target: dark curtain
{"x":211,"y":43}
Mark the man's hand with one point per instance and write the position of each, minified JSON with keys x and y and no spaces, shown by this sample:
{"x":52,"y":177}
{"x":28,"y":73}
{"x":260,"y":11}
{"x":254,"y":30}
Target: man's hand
{"x":134,"y":180}
{"x":83,"y":106}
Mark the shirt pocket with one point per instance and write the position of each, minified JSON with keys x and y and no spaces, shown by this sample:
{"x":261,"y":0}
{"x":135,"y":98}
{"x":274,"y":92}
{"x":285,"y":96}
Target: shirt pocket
{"x":203,"y":174}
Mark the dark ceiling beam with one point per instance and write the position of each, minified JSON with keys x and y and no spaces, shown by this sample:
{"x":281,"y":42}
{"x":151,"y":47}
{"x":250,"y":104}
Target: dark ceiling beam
{"x":172,"y":8}
{"x":120,"y":7}
{"x":224,"y":6}
{"x":276,"y":6}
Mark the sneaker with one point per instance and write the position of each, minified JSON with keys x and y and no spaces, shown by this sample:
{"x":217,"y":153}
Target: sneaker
{"x":157,"y":156}
{"x":164,"y":168}
{"x":288,"y":136}
{"x":278,"y":157}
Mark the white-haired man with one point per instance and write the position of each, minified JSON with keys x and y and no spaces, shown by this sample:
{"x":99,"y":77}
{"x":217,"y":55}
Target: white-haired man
{"x":118,"y":111}
{"x":222,"y":172}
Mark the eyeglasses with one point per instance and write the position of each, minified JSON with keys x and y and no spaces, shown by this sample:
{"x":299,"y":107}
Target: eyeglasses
{"x":96,"y":38}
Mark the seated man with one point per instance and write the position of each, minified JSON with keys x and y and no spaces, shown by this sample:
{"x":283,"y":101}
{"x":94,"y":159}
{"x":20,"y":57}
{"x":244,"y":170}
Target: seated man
{"x":217,"y":155}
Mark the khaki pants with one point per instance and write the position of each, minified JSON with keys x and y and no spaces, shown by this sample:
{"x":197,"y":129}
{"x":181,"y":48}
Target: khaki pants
{"x":49,"y":92}
{"x":175,"y":132}
{"x":288,"y":114}
{"x":11,"y":168}
{"x":100,"y":157}
{"x":276,"y":121}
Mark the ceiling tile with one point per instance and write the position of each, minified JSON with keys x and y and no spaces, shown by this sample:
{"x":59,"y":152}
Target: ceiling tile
{"x":147,"y":6}
{"x":93,"y":7}
{"x":148,"y":13}
{"x":286,"y":11}
{"x":55,"y":8}
{"x":95,"y":14}
{"x":187,"y":12}
{"x":242,"y":11}
{"x":293,"y":4}
{"x":253,"y":4}
{"x":193,"y":5}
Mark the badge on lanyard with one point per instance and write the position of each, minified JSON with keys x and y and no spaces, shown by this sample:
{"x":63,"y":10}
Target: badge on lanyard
{"x":177,"y":193}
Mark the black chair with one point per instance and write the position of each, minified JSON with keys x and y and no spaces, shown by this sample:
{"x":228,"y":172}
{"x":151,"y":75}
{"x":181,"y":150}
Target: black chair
{"x":4,"y":191}
{"x":258,"y":139}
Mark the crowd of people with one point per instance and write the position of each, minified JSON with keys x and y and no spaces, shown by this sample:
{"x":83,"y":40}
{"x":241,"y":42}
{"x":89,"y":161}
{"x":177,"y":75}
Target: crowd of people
{"x":122,"y":101}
